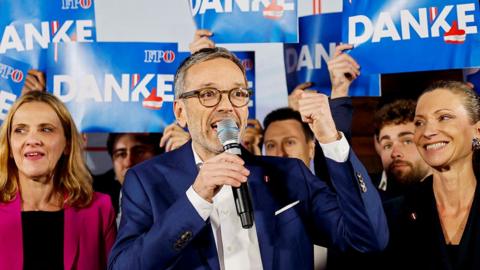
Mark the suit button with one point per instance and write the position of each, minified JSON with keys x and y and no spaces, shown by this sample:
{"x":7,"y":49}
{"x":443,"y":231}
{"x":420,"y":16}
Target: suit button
{"x":186,"y":236}
{"x":361,"y":182}
{"x":177,"y":246}
{"x":180,"y":243}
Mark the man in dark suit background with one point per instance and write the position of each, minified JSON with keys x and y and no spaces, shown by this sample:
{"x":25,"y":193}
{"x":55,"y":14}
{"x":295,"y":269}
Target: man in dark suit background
{"x":178,"y":209}
{"x":125,"y":150}
{"x":402,"y":164}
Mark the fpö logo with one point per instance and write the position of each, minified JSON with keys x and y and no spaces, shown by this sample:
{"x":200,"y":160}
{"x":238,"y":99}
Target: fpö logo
{"x":158,"y":56}
{"x":8,"y":72}
{"x":74,"y":4}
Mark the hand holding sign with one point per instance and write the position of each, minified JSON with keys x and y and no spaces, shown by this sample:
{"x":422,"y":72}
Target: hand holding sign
{"x":201,"y":40}
{"x":343,"y":70}
{"x":35,"y":81}
{"x":308,"y":61}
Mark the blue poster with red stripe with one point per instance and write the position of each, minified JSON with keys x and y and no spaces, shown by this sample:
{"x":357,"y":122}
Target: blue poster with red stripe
{"x":115,"y":87}
{"x":12,"y":78}
{"x":393,"y":36}
{"x":246,"y":21}
{"x":307,"y":60}
{"x":29,"y":27}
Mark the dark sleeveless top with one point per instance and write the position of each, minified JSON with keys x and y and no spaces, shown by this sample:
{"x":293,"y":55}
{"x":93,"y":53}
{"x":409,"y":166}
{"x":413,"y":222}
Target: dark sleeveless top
{"x":42,"y":240}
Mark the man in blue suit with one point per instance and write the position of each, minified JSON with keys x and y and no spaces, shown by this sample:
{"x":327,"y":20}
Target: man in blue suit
{"x":178,"y":208}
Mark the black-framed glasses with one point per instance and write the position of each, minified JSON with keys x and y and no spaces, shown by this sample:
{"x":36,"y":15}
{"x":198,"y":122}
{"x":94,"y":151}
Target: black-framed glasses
{"x":210,"y":97}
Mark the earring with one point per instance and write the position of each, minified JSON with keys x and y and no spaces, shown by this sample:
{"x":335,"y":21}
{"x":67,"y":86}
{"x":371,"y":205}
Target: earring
{"x":475,"y":144}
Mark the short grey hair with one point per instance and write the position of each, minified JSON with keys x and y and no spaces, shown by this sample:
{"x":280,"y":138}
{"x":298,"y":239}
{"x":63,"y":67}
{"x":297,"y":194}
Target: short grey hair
{"x":199,"y":57}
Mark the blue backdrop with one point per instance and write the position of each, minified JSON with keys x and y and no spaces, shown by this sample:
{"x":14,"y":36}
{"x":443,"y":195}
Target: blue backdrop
{"x":398,"y":36}
{"x":307,"y":60}
{"x":115,"y":87}
{"x":247,"y":22}
{"x":29,"y":27}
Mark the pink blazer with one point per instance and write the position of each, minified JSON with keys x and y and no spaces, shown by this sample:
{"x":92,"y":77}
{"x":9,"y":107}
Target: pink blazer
{"x":89,"y":234}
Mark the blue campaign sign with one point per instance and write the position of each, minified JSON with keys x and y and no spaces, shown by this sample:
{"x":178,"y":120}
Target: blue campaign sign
{"x":12,"y":78}
{"x":29,"y":27}
{"x":307,"y":60}
{"x":248,"y":61}
{"x":115,"y":87}
{"x":401,"y":36}
{"x":247,"y":21}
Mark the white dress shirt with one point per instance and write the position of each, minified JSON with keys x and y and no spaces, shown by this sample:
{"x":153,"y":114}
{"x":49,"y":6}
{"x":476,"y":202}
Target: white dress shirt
{"x":238,"y":248}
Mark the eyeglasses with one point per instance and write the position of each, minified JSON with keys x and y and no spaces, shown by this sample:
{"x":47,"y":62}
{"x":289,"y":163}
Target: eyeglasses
{"x":210,"y":97}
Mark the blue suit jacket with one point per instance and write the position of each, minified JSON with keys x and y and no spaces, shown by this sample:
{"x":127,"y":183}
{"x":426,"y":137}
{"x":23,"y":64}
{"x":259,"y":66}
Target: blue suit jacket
{"x":160,"y":229}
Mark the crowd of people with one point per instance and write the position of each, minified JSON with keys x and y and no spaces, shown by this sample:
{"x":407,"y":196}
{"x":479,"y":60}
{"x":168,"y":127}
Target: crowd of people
{"x":167,"y":203}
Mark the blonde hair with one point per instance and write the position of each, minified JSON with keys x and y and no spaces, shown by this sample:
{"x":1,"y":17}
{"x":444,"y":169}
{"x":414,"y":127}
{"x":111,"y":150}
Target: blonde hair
{"x":470,"y":99}
{"x":71,"y":178}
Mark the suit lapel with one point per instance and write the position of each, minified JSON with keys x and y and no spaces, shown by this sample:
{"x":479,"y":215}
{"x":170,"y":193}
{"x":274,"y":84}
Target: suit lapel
{"x":72,"y":227}
{"x":182,"y":178}
{"x":180,"y":181}
{"x":264,"y":210}
{"x":264,"y":205}
{"x":11,"y":234}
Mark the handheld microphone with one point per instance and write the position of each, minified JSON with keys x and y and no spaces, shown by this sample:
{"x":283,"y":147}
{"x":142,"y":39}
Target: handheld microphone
{"x":228,"y":134}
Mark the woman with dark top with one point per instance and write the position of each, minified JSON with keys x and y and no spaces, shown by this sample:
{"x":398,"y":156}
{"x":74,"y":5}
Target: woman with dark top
{"x":437,"y":224}
{"x":50,"y":216}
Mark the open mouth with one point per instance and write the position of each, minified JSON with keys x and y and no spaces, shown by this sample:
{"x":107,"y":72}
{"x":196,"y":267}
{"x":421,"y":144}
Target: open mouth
{"x":34,"y":155}
{"x":435,"y":146}
{"x":214,"y":124}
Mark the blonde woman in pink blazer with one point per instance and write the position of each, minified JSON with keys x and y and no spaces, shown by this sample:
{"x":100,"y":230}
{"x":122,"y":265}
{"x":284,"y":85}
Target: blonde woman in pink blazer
{"x":50,"y":218}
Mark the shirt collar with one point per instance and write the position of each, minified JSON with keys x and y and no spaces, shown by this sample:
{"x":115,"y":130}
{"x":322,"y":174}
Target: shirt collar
{"x":196,"y":157}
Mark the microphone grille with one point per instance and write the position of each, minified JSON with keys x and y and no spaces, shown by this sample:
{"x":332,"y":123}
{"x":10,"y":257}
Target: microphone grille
{"x":227,"y":131}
